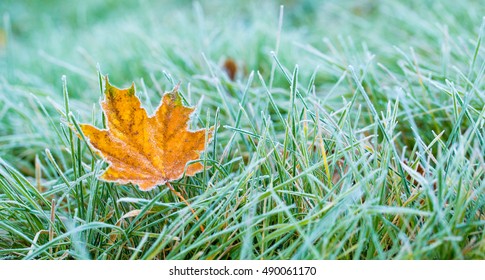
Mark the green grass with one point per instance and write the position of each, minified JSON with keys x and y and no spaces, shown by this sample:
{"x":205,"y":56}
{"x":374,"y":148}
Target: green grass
{"x":354,"y":131}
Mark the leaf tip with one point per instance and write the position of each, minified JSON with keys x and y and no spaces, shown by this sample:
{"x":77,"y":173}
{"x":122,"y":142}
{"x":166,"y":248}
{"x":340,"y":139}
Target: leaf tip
{"x":175,"y":96}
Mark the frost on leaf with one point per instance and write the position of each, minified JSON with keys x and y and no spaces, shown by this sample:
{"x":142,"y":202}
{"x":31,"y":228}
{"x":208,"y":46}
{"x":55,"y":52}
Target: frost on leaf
{"x":146,"y":150}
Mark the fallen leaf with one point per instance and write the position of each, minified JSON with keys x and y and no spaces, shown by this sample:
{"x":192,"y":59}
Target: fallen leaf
{"x":146,"y":150}
{"x":230,"y":67}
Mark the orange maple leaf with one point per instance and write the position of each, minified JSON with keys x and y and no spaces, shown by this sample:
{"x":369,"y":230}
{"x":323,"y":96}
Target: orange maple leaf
{"x":146,"y":150}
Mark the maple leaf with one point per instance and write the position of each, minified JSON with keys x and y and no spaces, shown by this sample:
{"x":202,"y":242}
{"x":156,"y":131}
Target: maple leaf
{"x":146,"y":150}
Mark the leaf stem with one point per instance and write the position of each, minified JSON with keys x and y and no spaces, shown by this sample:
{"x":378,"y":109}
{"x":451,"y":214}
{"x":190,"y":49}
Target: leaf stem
{"x":170,"y":187}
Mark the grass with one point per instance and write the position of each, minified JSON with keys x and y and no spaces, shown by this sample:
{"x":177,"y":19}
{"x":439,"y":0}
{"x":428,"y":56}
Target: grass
{"x":353,"y":130}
